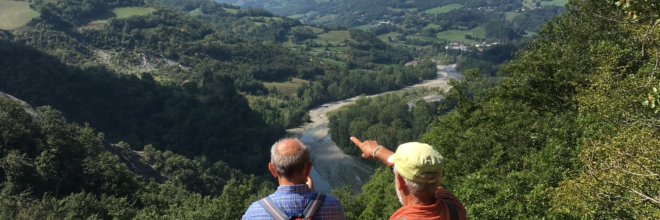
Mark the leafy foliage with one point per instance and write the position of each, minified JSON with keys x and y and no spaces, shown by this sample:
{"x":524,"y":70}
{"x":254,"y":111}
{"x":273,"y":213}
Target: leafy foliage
{"x":392,"y":124}
{"x":139,"y":111}
{"x":51,"y":169}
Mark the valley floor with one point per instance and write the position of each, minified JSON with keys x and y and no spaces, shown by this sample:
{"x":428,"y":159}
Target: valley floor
{"x":332,"y":167}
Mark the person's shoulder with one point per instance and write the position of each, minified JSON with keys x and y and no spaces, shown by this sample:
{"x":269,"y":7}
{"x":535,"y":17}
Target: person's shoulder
{"x":255,"y":208}
{"x":331,"y":209}
{"x":331,"y":199}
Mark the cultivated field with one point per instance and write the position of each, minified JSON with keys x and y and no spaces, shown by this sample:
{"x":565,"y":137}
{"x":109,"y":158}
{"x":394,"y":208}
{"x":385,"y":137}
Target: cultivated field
{"x":315,"y":29}
{"x":286,"y":87}
{"x":195,"y":12}
{"x":365,"y":27}
{"x":15,"y":14}
{"x":121,"y":12}
{"x":332,"y":37}
{"x":340,"y":63}
{"x":555,"y":2}
{"x":527,"y":3}
{"x":510,"y":15}
{"x":443,"y":9}
{"x":431,"y":25}
{"x":230,"y":10}
{"x":326,"y":18}
{"x":459,"y":35}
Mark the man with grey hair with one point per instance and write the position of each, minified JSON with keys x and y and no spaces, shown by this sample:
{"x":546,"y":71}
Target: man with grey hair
{"x":418,"y":171}
{"x":295,"y":198}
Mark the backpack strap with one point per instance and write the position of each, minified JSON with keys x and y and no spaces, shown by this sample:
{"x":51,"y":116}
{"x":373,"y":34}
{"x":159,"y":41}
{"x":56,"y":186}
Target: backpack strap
{"x":453,"y":212}
{"x":272,"y":209}
{"x":313,"y":206}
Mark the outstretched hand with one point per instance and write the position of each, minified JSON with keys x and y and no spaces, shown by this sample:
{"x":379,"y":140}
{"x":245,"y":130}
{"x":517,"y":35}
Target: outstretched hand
{"x":367,"y":147}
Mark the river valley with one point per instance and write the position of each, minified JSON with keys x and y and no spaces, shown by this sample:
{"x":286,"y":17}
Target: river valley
{"x":332,"y":167}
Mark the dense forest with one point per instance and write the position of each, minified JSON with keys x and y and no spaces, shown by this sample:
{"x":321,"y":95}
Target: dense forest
{"x":394,"y":123}
{"x":52,"y":169}
{"x":158,"y":78}
{"x":565,"y":128}
{"x":568,"y":132}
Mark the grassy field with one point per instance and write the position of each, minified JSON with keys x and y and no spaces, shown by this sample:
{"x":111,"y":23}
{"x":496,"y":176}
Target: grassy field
{"x":402,"y":9}
{"x":527,"y":3}
{"x":230,"y":10}
{"x":384,"y":36}
{"x":510,"y":15}
{"x":425,"y":38}
{"x":431,"y":25}
{"x":15,"y":14}
{"x":121,"y":12}
{"x":286,"y":87}
{"x":555,"y":2}
{"x":315,"y":29}
{"x":459,"y":35}
{"x":365,"y":27}
{"x":195,"y":12}
{"x":443,"y":9}
{"x":333,"y":37}
{"x":326,"y":18}
{"x":340,"y":63}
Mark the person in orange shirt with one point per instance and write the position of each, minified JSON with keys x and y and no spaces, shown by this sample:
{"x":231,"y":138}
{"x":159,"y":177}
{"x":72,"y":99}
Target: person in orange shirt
{"x":418,"y":171}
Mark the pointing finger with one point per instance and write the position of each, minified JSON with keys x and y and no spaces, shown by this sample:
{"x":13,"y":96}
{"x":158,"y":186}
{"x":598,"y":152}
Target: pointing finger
{"x":356,"y":141}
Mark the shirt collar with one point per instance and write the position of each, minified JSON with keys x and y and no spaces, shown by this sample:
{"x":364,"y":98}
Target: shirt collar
{"x":297,"y":188}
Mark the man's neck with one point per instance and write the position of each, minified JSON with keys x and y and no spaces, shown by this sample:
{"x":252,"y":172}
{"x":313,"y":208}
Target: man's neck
{"x":411,"y":200}
{"x":294,"y":181}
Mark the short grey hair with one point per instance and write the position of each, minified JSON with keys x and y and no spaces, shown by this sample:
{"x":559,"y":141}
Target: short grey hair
{"x":288,"y":166}
{"x":422,"y":189}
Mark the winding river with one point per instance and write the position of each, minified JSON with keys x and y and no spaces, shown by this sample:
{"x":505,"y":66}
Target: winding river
{"x":332,"y":168}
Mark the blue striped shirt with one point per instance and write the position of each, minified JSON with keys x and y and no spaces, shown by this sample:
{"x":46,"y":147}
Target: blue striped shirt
{"x":293,"y":199}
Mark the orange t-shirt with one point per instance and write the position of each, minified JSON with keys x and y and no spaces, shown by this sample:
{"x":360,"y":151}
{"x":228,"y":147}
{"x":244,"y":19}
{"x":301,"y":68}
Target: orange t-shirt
{"x":437,"y":211}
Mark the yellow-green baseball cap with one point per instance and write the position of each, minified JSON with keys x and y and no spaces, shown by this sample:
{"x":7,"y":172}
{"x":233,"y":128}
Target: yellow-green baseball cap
{"x":414,"y":158}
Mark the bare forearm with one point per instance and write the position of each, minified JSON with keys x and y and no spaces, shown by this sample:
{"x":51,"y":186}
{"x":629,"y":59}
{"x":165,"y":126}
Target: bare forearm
{"x":382,"y":154}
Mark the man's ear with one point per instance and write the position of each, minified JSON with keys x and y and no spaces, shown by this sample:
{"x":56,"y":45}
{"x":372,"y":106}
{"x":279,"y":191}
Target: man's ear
{"x":308,"y":169}
{"x":271,"y":168}
{"x":400,"y":184}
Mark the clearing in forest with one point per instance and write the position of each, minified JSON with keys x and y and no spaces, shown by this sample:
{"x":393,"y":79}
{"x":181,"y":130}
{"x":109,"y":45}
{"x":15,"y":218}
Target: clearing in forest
{"x":528,"y":3}
{"x":15,"y":14}
{"x":510,"y":15}
{"x":285,"y":86}
{"x":332,"y":37}
{"x":443,"y":9}
{"x":121,"y":12}
{"x":459,"y":35}
{"x":230,"y":10}
{"x":554,"y":2}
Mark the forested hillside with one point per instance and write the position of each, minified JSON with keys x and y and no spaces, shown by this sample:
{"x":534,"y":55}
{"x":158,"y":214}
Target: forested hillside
{"x":52,"y":169}
{"x":166,"y":109}
{"x":569,"y":131}
{"x":140,"y":111}
{"x":148,"y":74}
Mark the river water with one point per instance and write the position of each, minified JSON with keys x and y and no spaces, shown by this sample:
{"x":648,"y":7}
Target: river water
{"x":332,"y":168}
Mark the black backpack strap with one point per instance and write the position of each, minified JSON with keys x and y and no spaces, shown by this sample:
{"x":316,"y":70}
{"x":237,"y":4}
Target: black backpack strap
{"x":453,"y":212}
{"x":272,"y":209}
{"x":314,"y":206}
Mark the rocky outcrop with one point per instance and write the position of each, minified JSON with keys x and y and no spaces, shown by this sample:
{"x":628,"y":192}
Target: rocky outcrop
{"x":134,"y":163}
{"x":28,"y":108}
{"x":127,"y":156}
